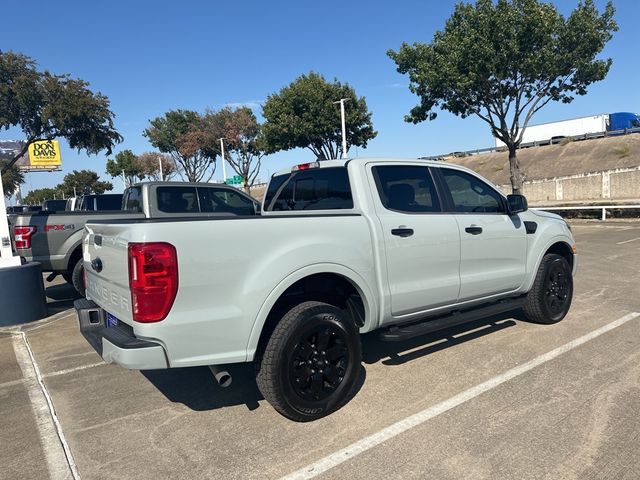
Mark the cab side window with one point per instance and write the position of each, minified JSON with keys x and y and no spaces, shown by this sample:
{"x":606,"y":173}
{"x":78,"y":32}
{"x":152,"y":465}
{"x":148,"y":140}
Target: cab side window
{"x":225,"y":201}
{"x":406,"y":188}
{"x":470,"y":194}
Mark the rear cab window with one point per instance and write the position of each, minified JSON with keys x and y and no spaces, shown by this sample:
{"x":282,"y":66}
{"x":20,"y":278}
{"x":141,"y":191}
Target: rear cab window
{"x":132,"y":200}
{"x":312,"y":189}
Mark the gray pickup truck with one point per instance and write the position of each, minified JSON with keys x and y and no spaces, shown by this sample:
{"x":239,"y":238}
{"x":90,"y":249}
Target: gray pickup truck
{"x":55,"y":239}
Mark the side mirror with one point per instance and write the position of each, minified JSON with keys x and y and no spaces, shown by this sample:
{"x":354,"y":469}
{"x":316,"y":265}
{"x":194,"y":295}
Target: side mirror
{"x":516,"y":204}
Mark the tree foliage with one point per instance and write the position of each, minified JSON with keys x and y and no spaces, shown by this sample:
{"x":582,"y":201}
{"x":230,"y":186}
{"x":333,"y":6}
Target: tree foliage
{"x":85,"y":182}
{"x":125,"y":163}
{"x":505,"y":61}
{"x":303,"y":115}
{"x":184,"y":135}
{"x":243,"y":145}
{"x":47,"y":106}
{"x":149,"y":164}
{"x":12,"y":178}
{"x":38,"y":195}
{"x":137,"y":168}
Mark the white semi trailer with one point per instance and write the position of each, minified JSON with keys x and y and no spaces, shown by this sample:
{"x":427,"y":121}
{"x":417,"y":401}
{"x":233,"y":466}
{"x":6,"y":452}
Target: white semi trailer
{"x":547,"y":132}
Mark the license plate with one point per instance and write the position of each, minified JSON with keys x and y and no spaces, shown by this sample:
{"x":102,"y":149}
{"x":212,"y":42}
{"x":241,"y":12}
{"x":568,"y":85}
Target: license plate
{"x":111,"y":321}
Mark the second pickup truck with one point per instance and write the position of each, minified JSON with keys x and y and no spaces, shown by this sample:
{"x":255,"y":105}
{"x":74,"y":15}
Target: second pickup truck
{"x":342,"y":247}
{"x":55,"y":238}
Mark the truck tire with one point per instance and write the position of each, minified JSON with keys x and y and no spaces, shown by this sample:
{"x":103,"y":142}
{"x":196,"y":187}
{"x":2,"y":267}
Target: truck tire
{"x":77,"y":276}
{"x":549,"y":299}
{"x":311,"y":362}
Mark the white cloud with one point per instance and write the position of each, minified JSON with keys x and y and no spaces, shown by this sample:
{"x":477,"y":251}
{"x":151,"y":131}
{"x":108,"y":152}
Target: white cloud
{"x":252,"y":104}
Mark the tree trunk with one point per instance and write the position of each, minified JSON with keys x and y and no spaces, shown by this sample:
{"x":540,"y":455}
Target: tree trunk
{"x":247,"y":188}
{"x":514,"y":170}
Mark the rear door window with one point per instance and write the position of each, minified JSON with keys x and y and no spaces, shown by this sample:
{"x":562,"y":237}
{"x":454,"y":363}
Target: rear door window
{"x":218,"y":200}
{"x":177,"y":199}
{"x":406,"y":188}
{"x":313,"y":189}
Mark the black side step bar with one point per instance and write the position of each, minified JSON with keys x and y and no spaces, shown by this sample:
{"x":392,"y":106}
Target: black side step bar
{"x":433,"y":324}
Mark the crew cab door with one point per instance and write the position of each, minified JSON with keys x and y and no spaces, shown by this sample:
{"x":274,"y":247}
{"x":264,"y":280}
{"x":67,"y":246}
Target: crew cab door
{"x":421,"y":243}
{"x":493,"y":244}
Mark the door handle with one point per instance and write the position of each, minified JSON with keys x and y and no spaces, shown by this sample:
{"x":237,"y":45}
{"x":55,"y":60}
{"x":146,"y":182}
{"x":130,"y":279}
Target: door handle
{"x":402,"y":232}
{"x":473,"y":230}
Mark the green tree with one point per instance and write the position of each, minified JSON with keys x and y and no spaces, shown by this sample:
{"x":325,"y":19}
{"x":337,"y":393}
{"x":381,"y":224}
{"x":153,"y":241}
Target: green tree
{"x":12,"y":178}
{"x":47,"y":106}
{"x":303,"y":114}
{"x":505,"y":61}
{"x":125,"y":162}
{"x":183,"y":135}
{"x":243,"y":146}
{"x":38,"y":195}
{"x":83,"y":182}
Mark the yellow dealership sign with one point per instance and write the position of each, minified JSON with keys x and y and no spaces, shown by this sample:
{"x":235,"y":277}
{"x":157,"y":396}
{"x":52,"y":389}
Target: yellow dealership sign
{"x":44,"y":154}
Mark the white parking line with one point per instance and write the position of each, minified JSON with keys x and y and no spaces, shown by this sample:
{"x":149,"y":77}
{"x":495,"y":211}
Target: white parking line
{"x":74,"y":369}
{"x":60,"y":463}
{"x":419,"y":418}
{"x":628,"y":241}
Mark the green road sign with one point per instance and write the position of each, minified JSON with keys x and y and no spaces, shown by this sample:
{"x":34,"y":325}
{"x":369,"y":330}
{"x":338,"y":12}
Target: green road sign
{"x":235,"y":180}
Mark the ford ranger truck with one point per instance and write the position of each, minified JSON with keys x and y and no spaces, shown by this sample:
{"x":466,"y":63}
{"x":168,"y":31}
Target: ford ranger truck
{"x":342,"y":247}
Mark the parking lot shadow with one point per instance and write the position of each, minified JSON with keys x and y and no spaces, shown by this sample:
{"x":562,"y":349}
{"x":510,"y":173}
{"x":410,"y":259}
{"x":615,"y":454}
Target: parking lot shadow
{"x":196,"y":388}
{"x":397,"y":353}
{"x":60,"y":297}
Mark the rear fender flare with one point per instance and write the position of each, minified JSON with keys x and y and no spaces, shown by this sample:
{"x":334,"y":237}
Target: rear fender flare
{"x":368,"y":299}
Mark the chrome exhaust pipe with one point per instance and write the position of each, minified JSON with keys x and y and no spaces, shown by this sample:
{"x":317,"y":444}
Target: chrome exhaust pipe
{"x":221,"y":375}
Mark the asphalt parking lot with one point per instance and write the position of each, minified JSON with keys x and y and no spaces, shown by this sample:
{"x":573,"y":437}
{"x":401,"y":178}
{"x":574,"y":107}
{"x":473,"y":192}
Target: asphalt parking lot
{"x":499,"y":399}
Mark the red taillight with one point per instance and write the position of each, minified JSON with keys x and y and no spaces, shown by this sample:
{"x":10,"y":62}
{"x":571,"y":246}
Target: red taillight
{"x":23,"y":236}
{"x":153,"y":280}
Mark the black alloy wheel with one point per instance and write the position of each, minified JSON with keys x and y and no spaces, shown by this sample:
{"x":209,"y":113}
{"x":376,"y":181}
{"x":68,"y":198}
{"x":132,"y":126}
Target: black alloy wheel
{"x":319,"y":362}
{"x":557,"y":289}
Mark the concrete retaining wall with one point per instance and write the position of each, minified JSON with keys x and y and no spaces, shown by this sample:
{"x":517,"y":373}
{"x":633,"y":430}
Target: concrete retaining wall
{"x":619,"y":184}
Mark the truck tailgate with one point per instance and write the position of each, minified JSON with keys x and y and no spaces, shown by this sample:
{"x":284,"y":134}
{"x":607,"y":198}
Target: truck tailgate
{"x":107,"y":269}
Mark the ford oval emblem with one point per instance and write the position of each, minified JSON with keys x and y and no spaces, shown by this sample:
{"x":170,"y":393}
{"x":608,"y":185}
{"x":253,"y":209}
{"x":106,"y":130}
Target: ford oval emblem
{"x":96,"y":264}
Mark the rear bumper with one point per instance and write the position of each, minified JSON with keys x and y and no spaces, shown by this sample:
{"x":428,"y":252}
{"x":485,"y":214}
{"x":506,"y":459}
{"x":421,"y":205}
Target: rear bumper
{"x":117,"y":344}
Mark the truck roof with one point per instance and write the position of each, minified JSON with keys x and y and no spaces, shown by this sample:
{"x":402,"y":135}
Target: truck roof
{"x":343,"y":161}
{"x":183,"y":184}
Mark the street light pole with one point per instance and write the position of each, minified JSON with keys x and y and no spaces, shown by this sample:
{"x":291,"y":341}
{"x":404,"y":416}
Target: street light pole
{"x":224,"y":168}
{"x":344,"y":126}
{"x":160,"y":165}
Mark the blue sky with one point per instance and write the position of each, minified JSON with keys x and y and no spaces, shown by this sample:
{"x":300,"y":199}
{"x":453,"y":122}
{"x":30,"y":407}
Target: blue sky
{"x":151,"y":57}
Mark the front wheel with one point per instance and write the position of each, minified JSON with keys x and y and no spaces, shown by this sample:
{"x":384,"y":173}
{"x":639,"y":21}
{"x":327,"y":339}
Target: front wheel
{"x":549,"y":299}
{"x":311,"y":362}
